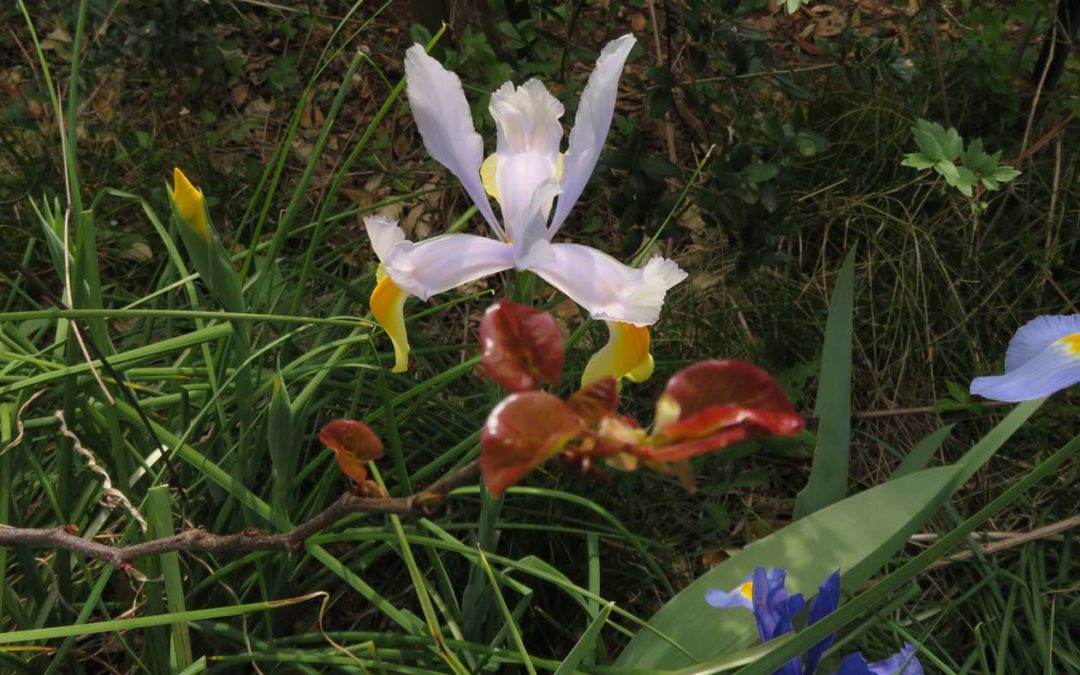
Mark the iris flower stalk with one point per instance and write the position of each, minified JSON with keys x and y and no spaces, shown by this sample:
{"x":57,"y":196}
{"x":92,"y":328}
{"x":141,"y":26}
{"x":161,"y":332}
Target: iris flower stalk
{"x":764,"y":593}
{"x":535,"y":185}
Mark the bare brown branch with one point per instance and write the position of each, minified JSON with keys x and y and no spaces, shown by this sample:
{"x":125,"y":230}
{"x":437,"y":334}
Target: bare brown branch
{"x":428,"y":503}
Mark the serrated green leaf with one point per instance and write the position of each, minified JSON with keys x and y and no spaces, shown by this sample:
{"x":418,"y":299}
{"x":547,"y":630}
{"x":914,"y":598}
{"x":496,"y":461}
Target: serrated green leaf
{"x":918,"y":161}
{"x":951,"y":143}
{"x":948,"y":171}
{"x":925,"y":139}
{"x":1004,"y":173}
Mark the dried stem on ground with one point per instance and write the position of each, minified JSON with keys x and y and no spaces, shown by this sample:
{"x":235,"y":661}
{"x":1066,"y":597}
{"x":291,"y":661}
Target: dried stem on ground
{"x":427,"y":503}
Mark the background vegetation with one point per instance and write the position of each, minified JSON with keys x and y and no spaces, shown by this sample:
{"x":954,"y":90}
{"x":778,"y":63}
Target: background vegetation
{"x":290,"y":119}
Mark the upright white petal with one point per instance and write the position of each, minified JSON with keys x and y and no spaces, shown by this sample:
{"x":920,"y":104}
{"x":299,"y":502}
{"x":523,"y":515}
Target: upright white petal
{"x":530,"y":225}
{"x":445,"y":123}
{"x":608,"y":289}
{"x":527,"y":153}
{"x":591,"y":125}
{"x":438,"y":264}
{"x":527,"y":119}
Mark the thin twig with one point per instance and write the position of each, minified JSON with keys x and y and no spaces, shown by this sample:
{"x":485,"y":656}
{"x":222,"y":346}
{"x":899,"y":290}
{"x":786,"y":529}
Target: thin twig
{"x":1046,"y":532}
{"x":428,"y":503}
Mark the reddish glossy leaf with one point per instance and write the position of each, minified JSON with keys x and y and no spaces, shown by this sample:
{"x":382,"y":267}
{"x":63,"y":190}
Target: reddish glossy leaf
{"x":717,"y":417}
{"x":725,"y":383}
{"x":521,"y":433}
{"x":596,"y":400}
{"x":714,"y":404}
{"x":521,"y":346}
{"x":354,"y":443}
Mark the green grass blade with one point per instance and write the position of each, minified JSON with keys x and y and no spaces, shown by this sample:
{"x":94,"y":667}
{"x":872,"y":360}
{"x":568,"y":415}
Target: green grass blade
{"x":511,"y":623}
{"x":922,"y":453}
{"x":829,"y":473}
{"x":135,"y":623}
{"x":586,"y":645}
{"x":159,"y":517}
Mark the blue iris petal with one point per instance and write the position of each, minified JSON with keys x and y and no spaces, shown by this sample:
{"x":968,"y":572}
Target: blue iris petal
{"x":733,"y":598}
{"x":824,"y":604}
{"x":901,"y":663}
{"x":1037,"y":363}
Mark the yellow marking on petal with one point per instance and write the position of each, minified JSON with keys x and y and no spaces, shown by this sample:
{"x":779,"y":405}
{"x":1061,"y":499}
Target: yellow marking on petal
{"x":747,"y":590}
{"x":487,"y":176}
{"x":388,"y":308}
{"x":1072,"y":343}
{"x":190,"y":204}
{"x":626,"y":354}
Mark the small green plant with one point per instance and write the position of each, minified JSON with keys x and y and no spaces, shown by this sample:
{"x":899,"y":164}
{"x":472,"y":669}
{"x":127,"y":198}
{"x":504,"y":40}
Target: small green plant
{"x":943,"y":151}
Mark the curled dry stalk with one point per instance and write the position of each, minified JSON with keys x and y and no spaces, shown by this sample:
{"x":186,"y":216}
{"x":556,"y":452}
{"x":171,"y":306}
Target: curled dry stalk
{"x":428,"y":503}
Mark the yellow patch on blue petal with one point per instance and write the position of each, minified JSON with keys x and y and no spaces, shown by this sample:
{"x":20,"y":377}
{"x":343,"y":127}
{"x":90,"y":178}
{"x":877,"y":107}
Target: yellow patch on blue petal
{"x":626,"y":354}
{"x":747,"y":590}
{"x":190,"y":204}
{"x":1072,"y":343}
{"x":388,"y":308}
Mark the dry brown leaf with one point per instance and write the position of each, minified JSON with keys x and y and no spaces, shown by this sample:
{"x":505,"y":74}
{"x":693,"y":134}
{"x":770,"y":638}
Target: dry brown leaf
{"x":828,"y":21}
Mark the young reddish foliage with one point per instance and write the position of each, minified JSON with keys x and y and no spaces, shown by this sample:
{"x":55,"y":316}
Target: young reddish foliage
{"x":596,"y":400}
{"x":521,"y":346}
{"x":713,"y":404}
{"x":355,"y":444}
{"x":522,"y":432}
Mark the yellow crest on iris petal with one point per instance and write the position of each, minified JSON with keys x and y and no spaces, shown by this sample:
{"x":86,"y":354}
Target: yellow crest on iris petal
{"x":1072,"y":343}
{"x":747,"y":590}
{"x":626,"y":354}
{"x":190,"y":204}
{"x":388,"y":308}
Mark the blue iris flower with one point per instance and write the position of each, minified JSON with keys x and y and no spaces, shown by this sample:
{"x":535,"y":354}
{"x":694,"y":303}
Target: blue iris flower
{"x":765,"y":594}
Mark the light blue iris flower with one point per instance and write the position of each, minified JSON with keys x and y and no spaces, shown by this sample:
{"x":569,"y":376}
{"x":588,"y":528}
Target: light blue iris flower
{"x":1043,"y":358}
{"x":765,"y":594}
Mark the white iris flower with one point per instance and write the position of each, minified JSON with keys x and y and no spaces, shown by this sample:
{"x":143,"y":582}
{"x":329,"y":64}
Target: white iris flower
{"x":527,"y":175}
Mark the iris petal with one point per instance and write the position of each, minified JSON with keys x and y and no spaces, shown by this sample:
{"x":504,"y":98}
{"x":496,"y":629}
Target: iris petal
{"x":591,"y":125}
{"x":626,"y":354}
{"x":445,"y":122}
{"x":388,"y":308}
{"x":1054,"y":368}
{"x":1038,"y":334}
{"x":740,"y":596}
{"x":435,"y":265}
{"x":605,"y":287}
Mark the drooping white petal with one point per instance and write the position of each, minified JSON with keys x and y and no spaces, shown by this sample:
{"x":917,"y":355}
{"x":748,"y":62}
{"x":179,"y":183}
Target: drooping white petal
{"x":438,"y":264}
{"x":1036,"y":335}
{"x":591,"y":125}
{"x":608,"y":289}
{"x":527,"y":119}
{"x":445,"y":123}
{"x":384,"y":233}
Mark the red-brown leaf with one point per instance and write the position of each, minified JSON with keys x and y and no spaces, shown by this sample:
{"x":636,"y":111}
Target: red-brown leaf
{"x":521,"y":346}
{"x":725,"y":383}
{"x":596,"y":400}
{"x":522,"y":432}
{"x":354,"y":443}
